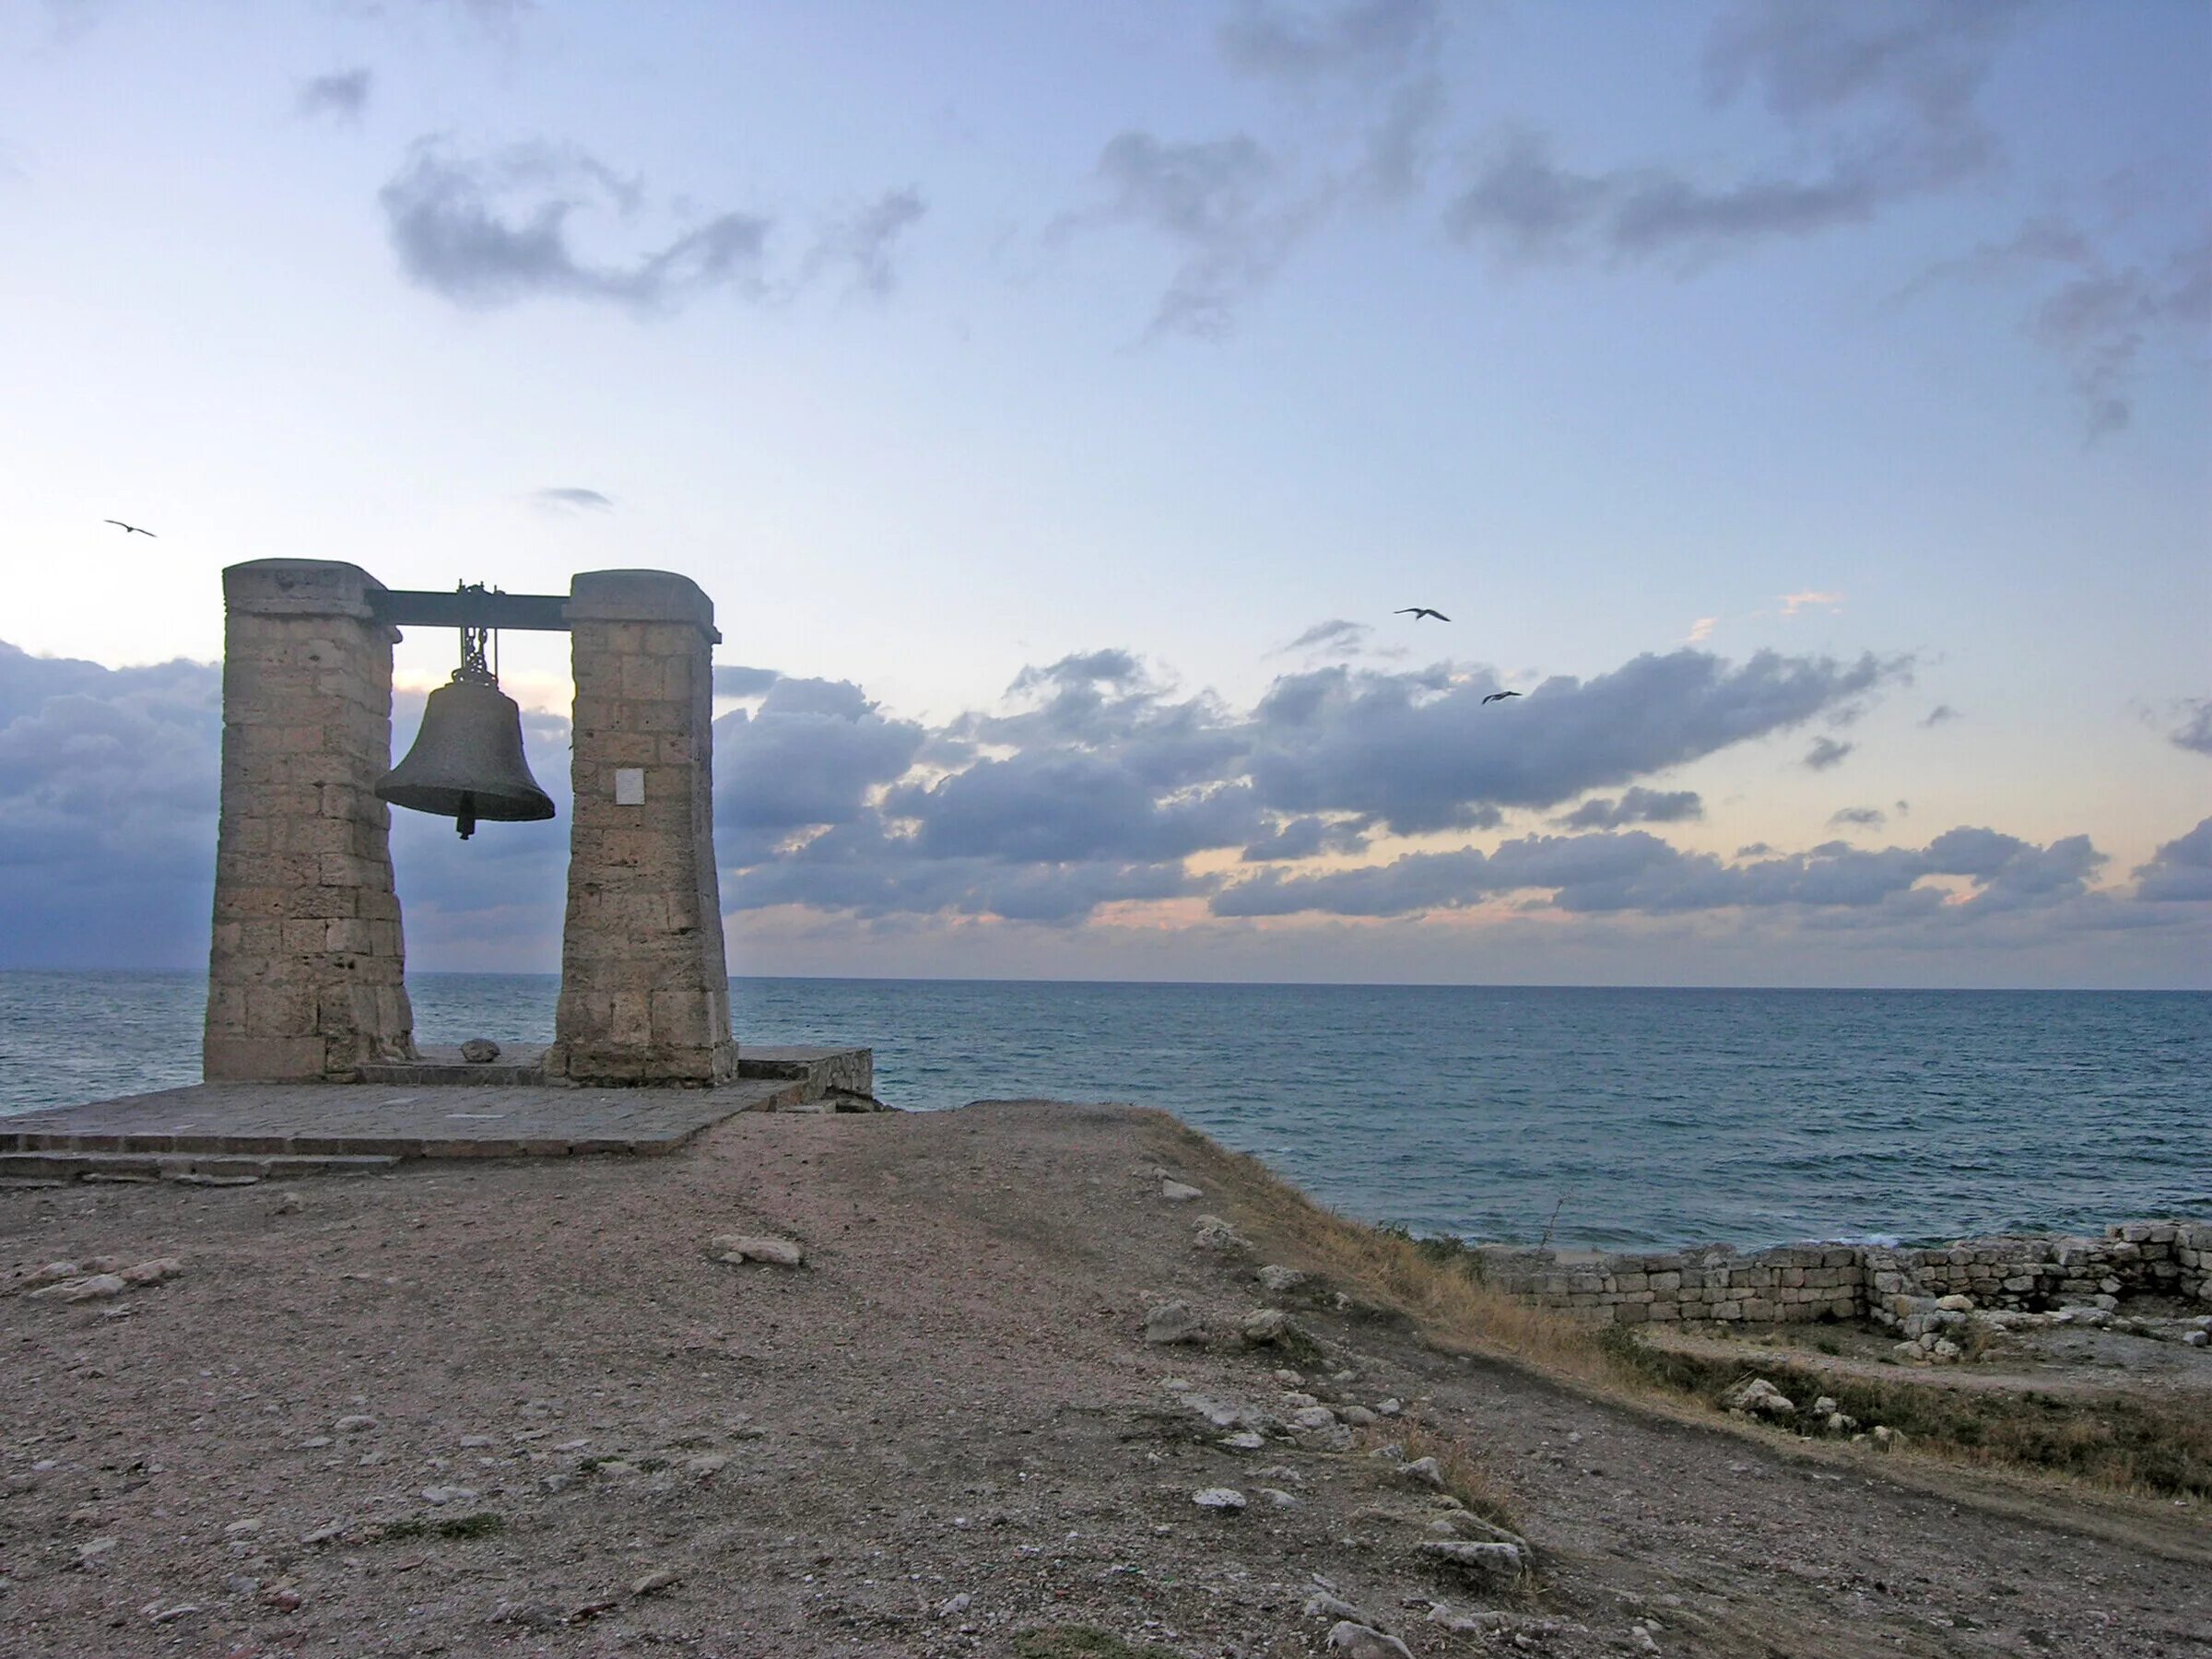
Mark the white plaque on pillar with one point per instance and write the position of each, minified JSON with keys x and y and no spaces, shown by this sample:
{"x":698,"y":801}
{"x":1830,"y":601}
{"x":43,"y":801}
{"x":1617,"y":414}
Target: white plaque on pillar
{"x":630,"y":786}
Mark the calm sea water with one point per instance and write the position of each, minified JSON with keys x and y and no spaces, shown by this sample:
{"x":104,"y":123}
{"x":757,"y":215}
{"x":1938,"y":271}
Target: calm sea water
{"x":1639,"y":1117}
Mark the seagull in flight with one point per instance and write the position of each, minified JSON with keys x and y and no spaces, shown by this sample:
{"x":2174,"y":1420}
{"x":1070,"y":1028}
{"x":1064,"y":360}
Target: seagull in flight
{"x":1417,"y":611}
{"x":1500,"y":696}
{"x":132,"y":529}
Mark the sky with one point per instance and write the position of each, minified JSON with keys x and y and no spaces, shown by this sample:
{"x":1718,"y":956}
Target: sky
{"x":1804,"y":407}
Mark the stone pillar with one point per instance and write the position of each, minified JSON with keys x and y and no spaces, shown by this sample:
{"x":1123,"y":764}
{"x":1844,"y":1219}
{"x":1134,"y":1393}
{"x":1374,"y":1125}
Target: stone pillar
{"x":644,"y":987}
{"x":305,"y":977}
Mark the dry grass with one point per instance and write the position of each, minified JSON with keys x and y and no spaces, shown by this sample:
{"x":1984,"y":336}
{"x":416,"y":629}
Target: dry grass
{"x":2147,"y":1446}
{"x":1468,"y":1474}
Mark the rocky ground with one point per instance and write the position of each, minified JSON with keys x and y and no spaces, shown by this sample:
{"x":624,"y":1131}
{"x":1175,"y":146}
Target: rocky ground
{"x":527,"y":1408}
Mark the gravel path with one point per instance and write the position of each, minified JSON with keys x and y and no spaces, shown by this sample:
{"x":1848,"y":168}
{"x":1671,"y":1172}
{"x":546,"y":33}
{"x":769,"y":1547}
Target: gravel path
{"x":521,"y":1408}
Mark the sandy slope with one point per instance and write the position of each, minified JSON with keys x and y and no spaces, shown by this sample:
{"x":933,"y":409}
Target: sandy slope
{"x":953,"y":1397}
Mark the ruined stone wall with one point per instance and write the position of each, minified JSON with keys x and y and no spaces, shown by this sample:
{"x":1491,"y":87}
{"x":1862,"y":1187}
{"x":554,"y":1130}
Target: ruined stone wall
{"x":306,"y":968}
{"x":1897,"y":1288}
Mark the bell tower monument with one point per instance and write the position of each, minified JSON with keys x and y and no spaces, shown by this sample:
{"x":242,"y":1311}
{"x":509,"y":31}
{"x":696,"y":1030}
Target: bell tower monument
{"x":306,"y":972}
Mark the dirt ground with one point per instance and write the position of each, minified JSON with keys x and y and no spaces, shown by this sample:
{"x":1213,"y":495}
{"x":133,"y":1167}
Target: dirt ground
{"x":517,"y":1408}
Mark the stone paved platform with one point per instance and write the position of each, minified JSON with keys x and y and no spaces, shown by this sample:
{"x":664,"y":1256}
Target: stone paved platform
{"x":433,"y":1120}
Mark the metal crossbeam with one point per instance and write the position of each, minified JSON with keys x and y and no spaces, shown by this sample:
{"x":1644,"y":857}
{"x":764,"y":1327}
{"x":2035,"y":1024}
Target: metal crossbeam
{"x":545,"y":613}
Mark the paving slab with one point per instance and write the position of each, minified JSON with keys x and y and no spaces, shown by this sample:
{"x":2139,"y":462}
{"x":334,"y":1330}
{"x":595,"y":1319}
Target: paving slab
{"x":380,"y":1120}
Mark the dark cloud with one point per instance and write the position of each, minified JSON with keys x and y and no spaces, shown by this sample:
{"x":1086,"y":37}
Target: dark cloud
{"x":1859,"y":817}
{"x":1419,"y":749}
{"x":860,"y":244}
{"x":865,"y":870}
{"x":1094,"y":784}
{"x":1365,"y":39}
{"x":2180,"y":871}
{"x":1940,"y":715}
{"x":571,"y":498}
{"x":731,"y":680}
{"x":2194,"y":731}
{"x":1638,"y":806}
{"x":1824,"y":753}
{"x":495,"y":232}
{"x":342,"y":95}
{"x":109,"y":782}
{"x":1309,"y":838}
{"x":1635,"y":870}
{"x":1881,"y":96}
{"x":809,"y":756}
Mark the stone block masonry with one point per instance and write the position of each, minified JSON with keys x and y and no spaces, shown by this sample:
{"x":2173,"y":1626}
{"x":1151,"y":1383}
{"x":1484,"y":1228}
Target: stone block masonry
{"x":644,"y":988}
{"x":1896,"y":1288}
{"x":306,"y":972}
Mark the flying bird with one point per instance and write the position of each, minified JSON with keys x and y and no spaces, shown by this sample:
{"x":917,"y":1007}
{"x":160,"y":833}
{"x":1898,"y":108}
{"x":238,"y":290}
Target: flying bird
{"x":132,"y":529}
{"x":1417,"y":611}
{"x":1499,"y":696}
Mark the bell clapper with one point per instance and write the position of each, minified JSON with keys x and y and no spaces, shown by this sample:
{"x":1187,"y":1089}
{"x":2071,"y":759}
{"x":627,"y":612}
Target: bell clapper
{"x":466,"y":819}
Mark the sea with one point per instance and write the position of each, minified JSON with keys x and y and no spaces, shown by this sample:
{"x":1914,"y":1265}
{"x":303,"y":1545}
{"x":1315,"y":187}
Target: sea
{"x":1605,"y":1119}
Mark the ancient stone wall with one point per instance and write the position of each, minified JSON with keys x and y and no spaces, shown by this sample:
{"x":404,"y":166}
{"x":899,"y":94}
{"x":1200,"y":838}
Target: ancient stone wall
{"x":644,"y":991}
{"x":1897,"y":1288}
{"x":306,"y":968}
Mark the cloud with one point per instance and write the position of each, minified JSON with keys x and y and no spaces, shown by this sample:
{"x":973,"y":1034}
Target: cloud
{"x":1635,"y":871}
{"x":573,"y":498}
{"x":1221,"y":203}
{"x":731,"y":680}
{"x":1638,"y":806}
{"x":1942,"y":713}
{"x":342,"y":95}
{"x":2180,"y":872}
{"x":809,"y":756}
{"x":1878,"y":99}
{"x":1097,"y":782}
{"x":1859,"y":817}
{"x":861,"y":244}
{"x":1365,"y":39}
{"x":1337,"y":635}
{"x":1418,"y":748}
{"x":496,"y":231}
{"x":1826,"y":752}
{"x":2095,"y":310}
{"x":1808,"y":600}
{"x":1701,"y":630}
{"x":1309,"y":838}
{"x":109,"y":781}
{"x":2194,"y":731}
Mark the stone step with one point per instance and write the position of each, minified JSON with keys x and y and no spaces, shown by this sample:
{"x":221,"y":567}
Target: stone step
{"x":192,"y":1169}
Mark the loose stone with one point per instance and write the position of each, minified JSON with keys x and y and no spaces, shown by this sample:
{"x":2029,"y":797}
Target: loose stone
{"x":1364,"y":1641}
{"x":1426,"y":1470}
{"x":1173,"y":1322}
{"x":1499,"y":1559}
{"x":1178,"y":1192}
{"x":354,"y":1424}
{"x":1263,"y":1325}
{"x":742,"y":1247}
{"x":1757,"y":1398}
{"x":1226,"y":1500}
{"x":660,"y":1579}
{"x":1214,"y":1233}
{"x":1279,"y":1279}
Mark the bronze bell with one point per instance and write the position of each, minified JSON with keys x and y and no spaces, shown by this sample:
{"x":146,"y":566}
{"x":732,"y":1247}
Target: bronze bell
{"x":467,"y":759}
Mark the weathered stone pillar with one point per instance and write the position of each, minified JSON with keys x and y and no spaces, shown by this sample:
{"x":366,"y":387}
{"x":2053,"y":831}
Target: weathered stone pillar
{"x":305,"y":977}
{"x":645,"y":986}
